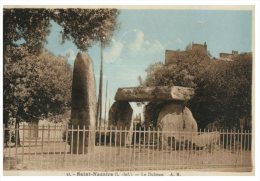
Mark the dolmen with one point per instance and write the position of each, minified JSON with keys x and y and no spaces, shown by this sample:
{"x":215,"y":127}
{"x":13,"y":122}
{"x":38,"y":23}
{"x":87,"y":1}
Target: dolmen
{"x":175,"y":120}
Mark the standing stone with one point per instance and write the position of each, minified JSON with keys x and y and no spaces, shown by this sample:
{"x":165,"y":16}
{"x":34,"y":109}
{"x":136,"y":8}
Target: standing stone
{"x":176,"y":121}
{"x":120,"y":116}
{"x":83,"y":104}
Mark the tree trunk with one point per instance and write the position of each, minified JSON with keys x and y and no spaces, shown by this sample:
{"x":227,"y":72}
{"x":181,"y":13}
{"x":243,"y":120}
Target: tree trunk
{"x":159,"y":93}
{"x":5,"y":119}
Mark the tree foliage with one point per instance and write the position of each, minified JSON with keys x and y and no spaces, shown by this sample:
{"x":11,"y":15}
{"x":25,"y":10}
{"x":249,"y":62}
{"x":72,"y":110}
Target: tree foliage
{"x":181,"y":73}
{"x":224,"y":93}
{"x":30,"y":26}
{"x":222,"y":89}
{"x":36,"y":87}
{"x":36,"y":83}
{"x":82,"y":26}
{"x":85,"y":26}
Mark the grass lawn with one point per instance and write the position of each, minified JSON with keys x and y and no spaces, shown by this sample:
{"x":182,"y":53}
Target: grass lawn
{"x":56,"y":157}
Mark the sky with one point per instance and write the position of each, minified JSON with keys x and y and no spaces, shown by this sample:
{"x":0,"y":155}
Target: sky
{"x":144,"y":35}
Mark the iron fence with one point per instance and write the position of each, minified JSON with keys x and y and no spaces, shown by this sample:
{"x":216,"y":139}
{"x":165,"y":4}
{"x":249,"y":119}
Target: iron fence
{"x":122,"y":149}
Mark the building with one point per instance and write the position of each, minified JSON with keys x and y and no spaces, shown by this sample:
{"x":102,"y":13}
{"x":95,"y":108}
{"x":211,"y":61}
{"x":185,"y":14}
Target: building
{"x":232,"y":56}
{"x":193,"y":51}
{"x":228,"y":56}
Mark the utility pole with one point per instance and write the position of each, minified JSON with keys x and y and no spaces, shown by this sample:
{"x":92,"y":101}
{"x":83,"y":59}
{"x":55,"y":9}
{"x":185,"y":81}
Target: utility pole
{"x":99,"y":105}
{"x":108,"y":108}
{"x":106,"y":102}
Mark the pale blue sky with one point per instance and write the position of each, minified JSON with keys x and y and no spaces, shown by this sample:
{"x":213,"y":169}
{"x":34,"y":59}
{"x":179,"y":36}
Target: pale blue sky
{"x":144,"y":35}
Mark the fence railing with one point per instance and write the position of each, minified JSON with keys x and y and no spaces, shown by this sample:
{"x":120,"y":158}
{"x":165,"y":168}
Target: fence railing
{"x":68,"y":148}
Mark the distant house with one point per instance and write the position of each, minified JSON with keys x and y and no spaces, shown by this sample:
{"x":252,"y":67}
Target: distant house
{"x":43,"y":130}
{"x":228,"y":56}
{"x":193,"y":51}
{"x":231,"y":56}
{"x":199,"y":52}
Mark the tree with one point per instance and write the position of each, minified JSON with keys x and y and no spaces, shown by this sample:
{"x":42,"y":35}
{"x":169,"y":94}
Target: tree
{"x":86,"y":26}
{"x":30,"y":93}
{"x":222,"y":89}
{"x":180,"y":73}
{"x":82,"y":26}
{"x":224,"y":93}
{"x":37,"y":86}
{"x":29,"y":26}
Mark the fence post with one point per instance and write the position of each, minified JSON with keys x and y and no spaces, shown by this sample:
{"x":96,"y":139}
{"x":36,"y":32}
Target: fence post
{"x":16,"y":139}
{"x":110,"y":145}
{"x":186,"y":147}
{"x":139,"y":146}
{"x":148,"y":146}
{"x":223,"y":141}
{"x":66,"y":142}
{"x":84,"y":139}
{"x":54,"y":139}
{"x":153,"y":143}
{"x":235,"y":140}
{"x":61,"y":129}
{"x":88,"y":141}
{"x":143,"y":147}
{"x":240,"y":144}
{"x":99,"y":143}
{"x":162,"y":147}
{"x":78,"y":147}
{"x":42,"y":139}
{"x":77,"y":141}
{"x":29,"y":139}
{"x":120,"y":140}
{"x":71,"y":142}
{"x":126,"y":142}
{"x":42,"y":146}
{"x":191,"y":151}
{"x":4,"y":138}
{"x":230,"y":136}
{"x":158,"y":144}
{"x":248,"y":140}
{"x":4,"y":135}
{"x":72,"y":145}
{"x":35,"y":135}
{"x":209,"y":147}
{"x":9,"y":147}
{"x":23,"y":145}
{"x":48,"y":141}
{"x":134,"y":132}
{"x":244,"y":139}
{"x":130,"y":146}
{"x":116,"y":146}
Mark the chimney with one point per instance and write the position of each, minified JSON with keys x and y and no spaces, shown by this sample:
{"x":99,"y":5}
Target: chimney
{"x":234,"y":52}
{"x":205,"y":46}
